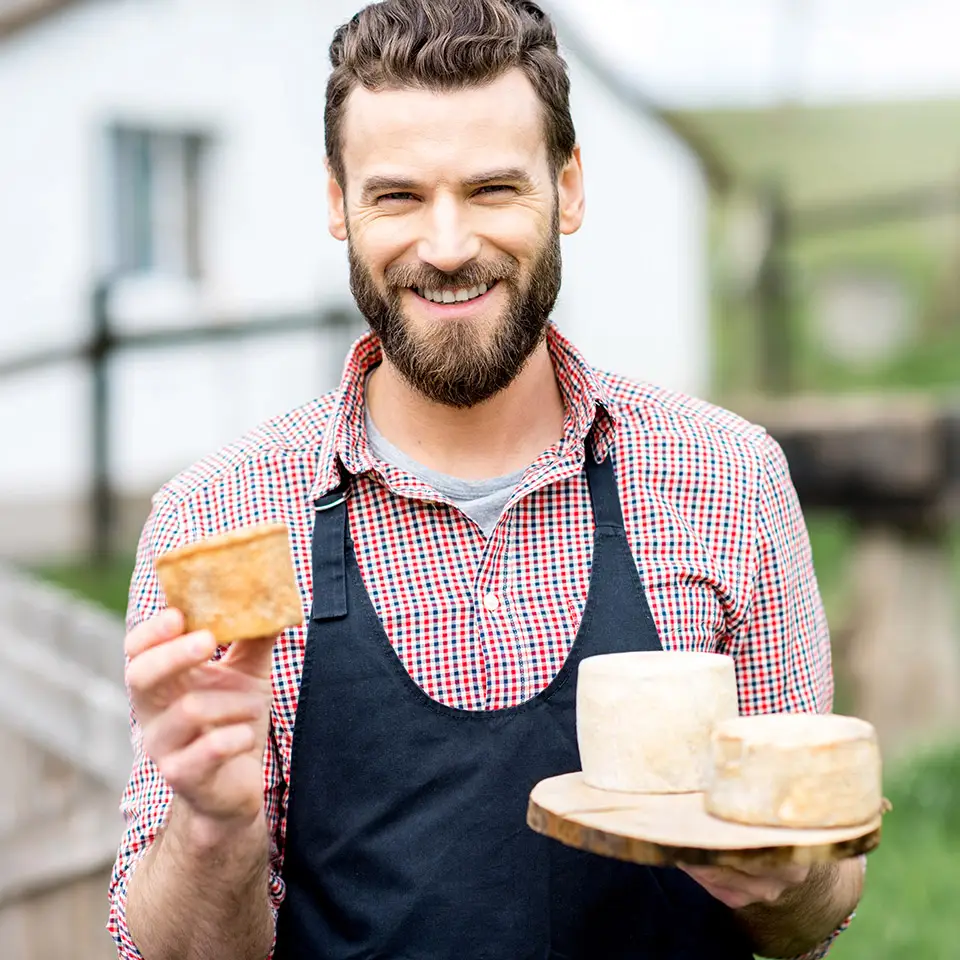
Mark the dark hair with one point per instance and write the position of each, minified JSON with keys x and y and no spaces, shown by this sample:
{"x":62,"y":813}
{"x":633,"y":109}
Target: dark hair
{"x":449,"y":45}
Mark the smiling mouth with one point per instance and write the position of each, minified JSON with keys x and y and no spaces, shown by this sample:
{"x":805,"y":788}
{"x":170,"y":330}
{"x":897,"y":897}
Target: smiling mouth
{"x":453,"y":294}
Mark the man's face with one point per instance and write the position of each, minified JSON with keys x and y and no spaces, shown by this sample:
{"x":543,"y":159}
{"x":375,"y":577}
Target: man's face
{"x":452,"y":216}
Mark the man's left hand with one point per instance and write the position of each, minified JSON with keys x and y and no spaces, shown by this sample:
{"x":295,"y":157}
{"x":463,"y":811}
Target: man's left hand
{"x":738,"y":888}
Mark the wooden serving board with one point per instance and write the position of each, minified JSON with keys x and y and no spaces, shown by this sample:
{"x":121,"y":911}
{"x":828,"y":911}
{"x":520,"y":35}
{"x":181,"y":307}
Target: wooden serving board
{"x":666,"y":829}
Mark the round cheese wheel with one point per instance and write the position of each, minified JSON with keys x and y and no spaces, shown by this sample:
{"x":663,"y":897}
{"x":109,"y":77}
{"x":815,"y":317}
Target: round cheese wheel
{"x":644,"y":719}
{"x":795,"y":770}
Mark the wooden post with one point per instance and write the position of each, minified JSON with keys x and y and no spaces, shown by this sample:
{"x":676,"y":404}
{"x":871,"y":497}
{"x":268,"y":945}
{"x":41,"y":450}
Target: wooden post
{"x":774,"y":301}
{"x":902,"y":656}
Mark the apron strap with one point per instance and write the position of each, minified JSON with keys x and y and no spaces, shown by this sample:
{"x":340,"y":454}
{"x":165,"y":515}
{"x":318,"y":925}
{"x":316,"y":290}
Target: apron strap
{"x":602,"y":481}
{"x":330,"y":554}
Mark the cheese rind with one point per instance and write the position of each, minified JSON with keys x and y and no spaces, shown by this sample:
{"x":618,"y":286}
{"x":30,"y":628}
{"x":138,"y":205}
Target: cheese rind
{"x":795,"y":770}
{"x":644,"y":719}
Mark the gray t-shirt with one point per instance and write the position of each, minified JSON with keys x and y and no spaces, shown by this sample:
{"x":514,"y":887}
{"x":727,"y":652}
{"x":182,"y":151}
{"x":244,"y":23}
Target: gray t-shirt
{"x":481,"y":500}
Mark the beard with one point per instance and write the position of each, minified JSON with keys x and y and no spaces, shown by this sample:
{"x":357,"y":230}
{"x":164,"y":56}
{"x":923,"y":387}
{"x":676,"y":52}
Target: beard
{"x":462,"y":363}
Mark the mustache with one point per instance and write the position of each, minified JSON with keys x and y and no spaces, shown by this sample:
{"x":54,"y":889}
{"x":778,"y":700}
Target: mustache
{"x":470,"y":274}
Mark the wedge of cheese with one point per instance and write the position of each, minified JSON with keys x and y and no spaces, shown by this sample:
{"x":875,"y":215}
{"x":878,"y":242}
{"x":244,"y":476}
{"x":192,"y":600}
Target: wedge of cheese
{"x":239,"y":585}
{"x":644,"y":719}
{"x":795,"y":770}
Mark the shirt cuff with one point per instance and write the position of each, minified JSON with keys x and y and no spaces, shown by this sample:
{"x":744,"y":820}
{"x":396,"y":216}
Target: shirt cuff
{"x":821,"y":950}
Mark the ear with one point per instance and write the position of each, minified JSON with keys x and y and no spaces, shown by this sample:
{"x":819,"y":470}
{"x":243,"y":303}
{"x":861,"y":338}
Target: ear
{"x":570,"y":194}
{"x":336,"y":211}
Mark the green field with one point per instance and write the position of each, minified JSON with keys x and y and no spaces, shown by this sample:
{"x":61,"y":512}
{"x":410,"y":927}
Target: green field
{"x":910,"y":906}
{"x":106,"y":584}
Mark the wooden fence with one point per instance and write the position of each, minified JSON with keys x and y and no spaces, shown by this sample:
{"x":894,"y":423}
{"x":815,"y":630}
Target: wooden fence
{"x":65,"y":757}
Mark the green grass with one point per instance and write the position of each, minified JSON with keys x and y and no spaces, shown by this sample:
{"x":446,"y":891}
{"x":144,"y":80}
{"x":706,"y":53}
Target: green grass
{"x":911,"y":904}
{"x":106,"y":584}
{"x":831,"y":538}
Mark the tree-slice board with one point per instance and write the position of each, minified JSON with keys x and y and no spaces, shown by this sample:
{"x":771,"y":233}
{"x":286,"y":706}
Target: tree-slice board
{"x":665,"y":829}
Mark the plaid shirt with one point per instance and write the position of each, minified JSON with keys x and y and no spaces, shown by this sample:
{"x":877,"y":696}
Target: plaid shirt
{"x":710,"y":513}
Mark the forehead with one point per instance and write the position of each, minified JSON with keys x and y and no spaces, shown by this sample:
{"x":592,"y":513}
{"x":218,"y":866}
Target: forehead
{"x":428,"y":132}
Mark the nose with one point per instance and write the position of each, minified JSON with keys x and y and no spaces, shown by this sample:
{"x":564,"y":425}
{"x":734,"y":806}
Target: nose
{"x":448,"y":241}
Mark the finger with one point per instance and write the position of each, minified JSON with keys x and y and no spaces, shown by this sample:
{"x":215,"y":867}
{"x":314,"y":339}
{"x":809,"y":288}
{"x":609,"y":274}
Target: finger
{"x":217,"y":675}
{"x":734,"y":888}
{"x":252,"y":657}
{"x":718,"y":875}
{"x":164,"y":626}
{"x":734,"y":899}
{"x":791,"y":873}
{"x":158,"y":665}
{"x":759,"y":891}
{"x":199,"y":762}
{"x":195,"y":714}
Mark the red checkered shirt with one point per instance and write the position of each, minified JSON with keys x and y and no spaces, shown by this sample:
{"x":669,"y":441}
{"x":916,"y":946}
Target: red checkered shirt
{"x":710,"y":513}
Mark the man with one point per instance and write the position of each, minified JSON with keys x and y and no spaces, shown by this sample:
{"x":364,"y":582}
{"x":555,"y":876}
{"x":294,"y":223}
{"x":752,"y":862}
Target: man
{"x":471,"y":513}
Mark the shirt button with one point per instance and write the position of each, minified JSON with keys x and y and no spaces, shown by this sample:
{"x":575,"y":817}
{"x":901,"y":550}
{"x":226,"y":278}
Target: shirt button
{"x":492,"y":602}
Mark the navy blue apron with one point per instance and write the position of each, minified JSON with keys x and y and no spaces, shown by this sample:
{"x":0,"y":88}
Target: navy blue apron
{"x":406,"y":823}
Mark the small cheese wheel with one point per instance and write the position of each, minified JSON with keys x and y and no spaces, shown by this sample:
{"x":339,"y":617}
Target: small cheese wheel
{"x":798,"y":770}
{"x":644,"y":719}
{"x":239,"y":585}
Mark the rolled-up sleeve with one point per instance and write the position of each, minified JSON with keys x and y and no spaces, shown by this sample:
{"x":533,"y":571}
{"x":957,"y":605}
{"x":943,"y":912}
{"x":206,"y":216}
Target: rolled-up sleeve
{"x":782,"y":644}
{"x":146,"y":800}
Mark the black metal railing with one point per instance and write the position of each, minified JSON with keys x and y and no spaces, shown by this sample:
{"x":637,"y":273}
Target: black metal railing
{"x":105,"y":341}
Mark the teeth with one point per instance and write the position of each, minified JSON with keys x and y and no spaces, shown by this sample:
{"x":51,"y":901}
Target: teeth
{"x":460,"y":295}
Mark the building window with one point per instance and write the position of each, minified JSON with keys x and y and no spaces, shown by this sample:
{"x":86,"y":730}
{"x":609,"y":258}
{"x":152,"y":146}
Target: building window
{"x":156,"y":201}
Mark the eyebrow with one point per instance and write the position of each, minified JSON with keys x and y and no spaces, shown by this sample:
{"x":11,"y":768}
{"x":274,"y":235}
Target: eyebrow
{"x":511,"y":174}
{"x":397,"y":184}
{"x":386,"y":184}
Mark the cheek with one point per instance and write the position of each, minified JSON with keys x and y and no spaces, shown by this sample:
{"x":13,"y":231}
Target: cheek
{"x":379,"y":244}
{"x":518,"y":233}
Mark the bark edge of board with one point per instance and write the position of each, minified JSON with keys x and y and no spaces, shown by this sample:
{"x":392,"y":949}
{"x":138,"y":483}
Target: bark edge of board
{"x":565,"y":809}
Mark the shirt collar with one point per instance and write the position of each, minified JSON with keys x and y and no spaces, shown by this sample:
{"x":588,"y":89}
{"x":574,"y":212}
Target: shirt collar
{"x":344,"y":444}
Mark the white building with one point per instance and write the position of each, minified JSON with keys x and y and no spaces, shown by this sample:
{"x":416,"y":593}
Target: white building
{"x":183,"y":140}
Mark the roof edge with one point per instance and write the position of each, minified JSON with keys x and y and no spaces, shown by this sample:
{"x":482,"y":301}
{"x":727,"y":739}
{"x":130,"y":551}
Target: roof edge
{"x":28,"y":13}
{"x":718,"y":173}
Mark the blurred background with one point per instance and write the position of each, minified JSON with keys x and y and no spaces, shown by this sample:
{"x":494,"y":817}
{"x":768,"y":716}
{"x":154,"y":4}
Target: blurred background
{"x":774,"y":224}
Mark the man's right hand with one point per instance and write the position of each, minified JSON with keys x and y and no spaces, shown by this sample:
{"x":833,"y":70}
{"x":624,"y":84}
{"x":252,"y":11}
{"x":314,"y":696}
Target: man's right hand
{"x":202,"y":890}
{"x":204,"y":722}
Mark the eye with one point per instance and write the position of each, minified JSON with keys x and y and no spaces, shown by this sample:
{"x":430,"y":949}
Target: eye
{"x":400,"y":196}
{"x":494,"y":189}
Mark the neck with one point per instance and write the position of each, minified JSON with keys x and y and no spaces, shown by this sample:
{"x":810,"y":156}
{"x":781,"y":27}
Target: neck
{"x":504,"y":434}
